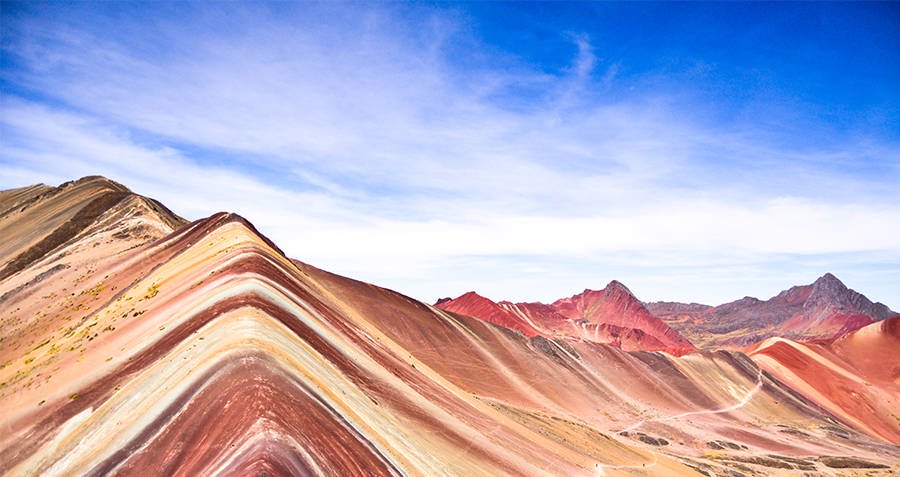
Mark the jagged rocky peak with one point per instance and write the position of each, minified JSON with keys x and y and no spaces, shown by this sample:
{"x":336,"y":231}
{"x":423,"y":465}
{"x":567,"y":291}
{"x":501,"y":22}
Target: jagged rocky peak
{"x":617,"y":288}
{"x":829,"y":283}
{"x":829,"y":291}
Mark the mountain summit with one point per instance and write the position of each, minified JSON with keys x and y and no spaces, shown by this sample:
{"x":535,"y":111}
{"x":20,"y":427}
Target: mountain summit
{"x":823,"y":309}
{"x":829,"y":293}
{"x":611,"y":316}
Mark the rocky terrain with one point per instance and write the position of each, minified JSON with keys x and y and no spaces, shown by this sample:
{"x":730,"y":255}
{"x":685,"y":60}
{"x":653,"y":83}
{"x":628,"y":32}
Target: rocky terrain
{"x":823,"y":309}
{"x":134,"y":343}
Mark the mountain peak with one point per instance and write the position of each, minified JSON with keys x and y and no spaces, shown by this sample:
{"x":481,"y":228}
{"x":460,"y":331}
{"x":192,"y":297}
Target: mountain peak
{"x":822,"y":309}
{"x":471,"y":295}
{"x":614,"y":289}
{"x":830,"y":287}
{"x":98,"y":181}
{"x":829,"y":278}
{"x":616,"y":306}
{"x":467,"y":301}
{"x":828,"y":292}
{"x":617,"y":287}
{"x":485,"y":309}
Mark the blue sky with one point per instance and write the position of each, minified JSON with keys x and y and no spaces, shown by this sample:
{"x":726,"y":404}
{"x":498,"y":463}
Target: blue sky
{"x":696,"y":152}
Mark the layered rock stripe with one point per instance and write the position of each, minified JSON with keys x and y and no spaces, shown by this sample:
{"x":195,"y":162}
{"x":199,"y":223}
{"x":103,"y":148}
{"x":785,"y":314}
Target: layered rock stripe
{"x":140,"y":344}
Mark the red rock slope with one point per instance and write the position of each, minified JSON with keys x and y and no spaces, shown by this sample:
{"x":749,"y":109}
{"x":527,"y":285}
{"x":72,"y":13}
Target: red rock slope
{"x":856,"y":377}
{"x":208,"y":352}
{"x":824,"y":309}
{"x":616,"y":306}
{"x":611,"y":316}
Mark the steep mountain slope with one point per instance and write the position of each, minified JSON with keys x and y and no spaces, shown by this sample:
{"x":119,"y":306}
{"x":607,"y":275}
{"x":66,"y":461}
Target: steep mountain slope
{"x":473,"y":304}
{"x":615,"y":305}
{"x":611,"y":316}
{"x":36,"y":220}
{"x":856,"y":377}
{"x":208,"y":352}
{"x":824,"y":309}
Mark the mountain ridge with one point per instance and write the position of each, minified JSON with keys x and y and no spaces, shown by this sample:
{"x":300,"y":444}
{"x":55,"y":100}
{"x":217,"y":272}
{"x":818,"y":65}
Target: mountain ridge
{"x":823,"y":309}
{"x":612,"y":316}
{"x":205,"y":350}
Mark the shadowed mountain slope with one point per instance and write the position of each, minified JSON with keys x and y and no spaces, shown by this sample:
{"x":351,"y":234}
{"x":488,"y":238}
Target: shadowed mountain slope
{"x":37,"y":220}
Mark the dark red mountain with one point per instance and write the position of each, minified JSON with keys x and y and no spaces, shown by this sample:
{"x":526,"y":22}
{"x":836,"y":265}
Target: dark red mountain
{"x":823,"y":309}
{"x":612,"y":316}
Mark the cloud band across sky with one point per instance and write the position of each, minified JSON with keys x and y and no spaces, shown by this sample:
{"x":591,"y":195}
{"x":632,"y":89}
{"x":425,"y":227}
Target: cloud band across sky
{"x":437,"y":150}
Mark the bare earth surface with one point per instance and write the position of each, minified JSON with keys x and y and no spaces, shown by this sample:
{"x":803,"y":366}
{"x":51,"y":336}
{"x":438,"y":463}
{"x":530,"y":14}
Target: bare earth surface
{"x":133,"y":342}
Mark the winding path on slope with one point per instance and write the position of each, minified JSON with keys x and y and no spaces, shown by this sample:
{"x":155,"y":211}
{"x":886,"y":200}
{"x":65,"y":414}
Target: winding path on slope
{"x":741,"y":403}
{"x":601,"y":468}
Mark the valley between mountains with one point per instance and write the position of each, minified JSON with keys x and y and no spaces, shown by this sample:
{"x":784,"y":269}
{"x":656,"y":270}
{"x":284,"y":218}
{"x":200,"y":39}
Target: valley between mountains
{"x":133,"y":341}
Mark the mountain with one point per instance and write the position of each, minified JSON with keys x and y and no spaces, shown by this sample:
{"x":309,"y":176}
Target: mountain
{"x":611,"y":316}
{"x":473,"y":304}
{"x":823,"y":309}
{"x":616,"y":306}
{"x":854,"y":374}
{"x":204,"y":350}
{"x":40,"y":219}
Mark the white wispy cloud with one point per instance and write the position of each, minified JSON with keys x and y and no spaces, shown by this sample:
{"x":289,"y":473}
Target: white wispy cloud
{"x":360,"y":145}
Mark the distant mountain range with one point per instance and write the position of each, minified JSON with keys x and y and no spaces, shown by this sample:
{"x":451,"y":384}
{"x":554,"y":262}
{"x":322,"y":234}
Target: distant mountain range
{"x":824,"y":309}
{"x":611,"y":316}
